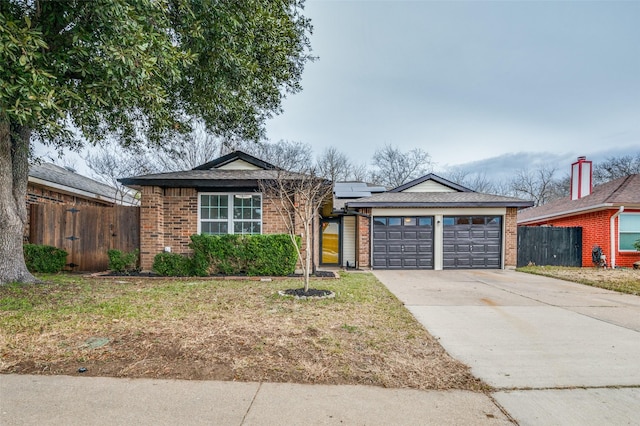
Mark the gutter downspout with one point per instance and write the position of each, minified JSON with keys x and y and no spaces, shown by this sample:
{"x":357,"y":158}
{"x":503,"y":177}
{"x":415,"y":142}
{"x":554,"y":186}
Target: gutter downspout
{"x":612,"y":236}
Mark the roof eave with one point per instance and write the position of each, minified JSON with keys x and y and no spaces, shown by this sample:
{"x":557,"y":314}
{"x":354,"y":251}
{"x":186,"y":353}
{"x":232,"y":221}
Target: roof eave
{"x":436,"y":204}
{"x":583,"y":210}
{"x":191,"y":183}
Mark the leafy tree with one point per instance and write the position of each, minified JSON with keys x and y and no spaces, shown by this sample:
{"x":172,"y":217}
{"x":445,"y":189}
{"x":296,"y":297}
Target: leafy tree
{"x":139,"y":71}
{"x":616,"y":167}
{"x":395,"y":167}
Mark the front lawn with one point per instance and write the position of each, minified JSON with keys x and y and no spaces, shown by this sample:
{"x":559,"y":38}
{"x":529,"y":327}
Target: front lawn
{"x":624,"y":280}
{"x":221,"y":330}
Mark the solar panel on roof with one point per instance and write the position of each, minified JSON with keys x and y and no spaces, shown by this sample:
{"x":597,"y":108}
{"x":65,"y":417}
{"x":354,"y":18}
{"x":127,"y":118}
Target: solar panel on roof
{"x":352,"y":194}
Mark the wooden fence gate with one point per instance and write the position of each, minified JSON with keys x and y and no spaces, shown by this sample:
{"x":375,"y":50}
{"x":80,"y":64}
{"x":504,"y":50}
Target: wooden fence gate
{"x":86,"y":232}
{"x":549,"y":245}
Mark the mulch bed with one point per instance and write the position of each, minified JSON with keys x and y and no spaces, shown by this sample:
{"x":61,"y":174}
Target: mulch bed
{"x":312,"y":293}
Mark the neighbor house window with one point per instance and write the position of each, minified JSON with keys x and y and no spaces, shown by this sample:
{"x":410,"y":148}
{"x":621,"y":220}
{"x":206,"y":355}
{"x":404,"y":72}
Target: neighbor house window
{"x":230,"y":214}
{"x":628,"y":230}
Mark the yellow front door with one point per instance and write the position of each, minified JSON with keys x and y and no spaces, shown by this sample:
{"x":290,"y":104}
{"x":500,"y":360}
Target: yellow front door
{"x":330,"y":242}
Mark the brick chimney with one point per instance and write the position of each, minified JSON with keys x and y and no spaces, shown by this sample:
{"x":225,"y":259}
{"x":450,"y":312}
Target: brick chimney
{"x":581,"y":178}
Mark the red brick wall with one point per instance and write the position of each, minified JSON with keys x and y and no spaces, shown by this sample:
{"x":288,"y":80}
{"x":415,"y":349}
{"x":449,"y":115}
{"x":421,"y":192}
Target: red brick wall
{"x":363,"y":245}
{"x":180,"y":218}
{"x":151,"y":225}
{"x":511,"y":238}
{"x":168,"y":217}
{"x":595,"y":231}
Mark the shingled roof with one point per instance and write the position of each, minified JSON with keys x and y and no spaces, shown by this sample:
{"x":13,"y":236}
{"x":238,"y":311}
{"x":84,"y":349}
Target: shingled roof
{"x":59,"y":178}
{"x":208,"y":178}
{"x":624,"y":191}
{"x":438,"y":199}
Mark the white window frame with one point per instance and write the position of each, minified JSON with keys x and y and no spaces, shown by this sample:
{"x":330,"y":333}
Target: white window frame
{"x":230,"y":220}
{"x":637,"y":231}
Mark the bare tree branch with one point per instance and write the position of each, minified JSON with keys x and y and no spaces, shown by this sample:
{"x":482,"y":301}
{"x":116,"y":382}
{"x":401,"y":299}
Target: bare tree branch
{"x":298,"y":197}
{"x":395,"y":168}
{"x":616,"y":167}
{"x":539,"y":186}
{"x":334,"y":165}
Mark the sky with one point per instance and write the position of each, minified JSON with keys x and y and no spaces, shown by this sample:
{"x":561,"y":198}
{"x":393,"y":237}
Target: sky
{"x":489,"y":86}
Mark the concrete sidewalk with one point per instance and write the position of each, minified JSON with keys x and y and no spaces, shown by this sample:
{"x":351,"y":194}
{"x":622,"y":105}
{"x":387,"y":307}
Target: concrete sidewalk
{"x":67,"y":400}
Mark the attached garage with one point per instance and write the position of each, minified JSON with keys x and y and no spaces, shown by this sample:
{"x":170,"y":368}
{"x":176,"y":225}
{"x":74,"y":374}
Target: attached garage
{"x":432,"y":223}
{"x":403,"y":242}
{"x":472,"y":242}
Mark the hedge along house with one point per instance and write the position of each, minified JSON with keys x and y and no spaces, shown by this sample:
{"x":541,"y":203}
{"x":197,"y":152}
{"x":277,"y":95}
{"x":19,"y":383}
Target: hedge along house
{"x":428,"y":223}
{"x":219,"y":197}
{"x":609,"y":214}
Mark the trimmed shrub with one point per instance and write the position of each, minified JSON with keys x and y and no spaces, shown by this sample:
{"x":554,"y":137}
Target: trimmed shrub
{"x":172,"y":265}
{"x":270,"y":255}
{"x":243,"y":254}
{"x":217,"y":254}
{"x":42,"y":258}
{"x":123,"y":262}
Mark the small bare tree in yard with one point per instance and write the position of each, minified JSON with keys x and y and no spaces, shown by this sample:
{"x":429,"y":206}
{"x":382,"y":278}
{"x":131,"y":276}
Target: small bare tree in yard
{"x":298,"y":197}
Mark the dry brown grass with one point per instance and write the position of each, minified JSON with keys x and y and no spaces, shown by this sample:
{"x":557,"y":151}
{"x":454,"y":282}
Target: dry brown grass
{"x":624,"y":280}
{"x":223,"y":330}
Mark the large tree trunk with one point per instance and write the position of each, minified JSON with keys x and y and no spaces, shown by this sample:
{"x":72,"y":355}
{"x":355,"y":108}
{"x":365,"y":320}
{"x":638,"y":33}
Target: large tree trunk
{"x":14,"y":174}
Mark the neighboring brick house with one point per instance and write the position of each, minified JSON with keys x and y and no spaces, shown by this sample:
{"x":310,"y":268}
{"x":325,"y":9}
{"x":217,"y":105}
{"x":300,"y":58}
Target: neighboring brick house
{"x":52,"y":184}
{"x":429,"y":223}
{"x":609,"y":215}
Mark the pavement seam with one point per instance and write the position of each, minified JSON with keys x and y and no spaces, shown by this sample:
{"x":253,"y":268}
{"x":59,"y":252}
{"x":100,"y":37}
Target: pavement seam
{"x":511,"y":389}
{"x":255,"y":395}
{"x":502,"y":409}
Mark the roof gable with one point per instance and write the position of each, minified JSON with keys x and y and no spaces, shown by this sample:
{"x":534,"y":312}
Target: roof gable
{"x":239,"y":165}
{"x":236,"y":160}
{"x":430,"y":183}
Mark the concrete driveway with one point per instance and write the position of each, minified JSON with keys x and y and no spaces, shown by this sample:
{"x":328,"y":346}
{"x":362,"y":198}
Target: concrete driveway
{"x":535,"y":340}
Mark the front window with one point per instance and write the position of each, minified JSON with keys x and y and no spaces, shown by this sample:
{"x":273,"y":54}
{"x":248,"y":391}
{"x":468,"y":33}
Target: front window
{"x":230,"y":214}
{"x":628,"y":230}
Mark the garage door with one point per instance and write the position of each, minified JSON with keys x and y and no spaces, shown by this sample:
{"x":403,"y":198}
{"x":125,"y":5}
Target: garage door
{"x":473,"y":242}
{"x":403,"y":242}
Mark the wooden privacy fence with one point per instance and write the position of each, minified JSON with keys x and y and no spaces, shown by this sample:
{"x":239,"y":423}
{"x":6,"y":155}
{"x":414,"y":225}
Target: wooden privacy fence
{"x":85,"y":232}
{"x":549,"y":245}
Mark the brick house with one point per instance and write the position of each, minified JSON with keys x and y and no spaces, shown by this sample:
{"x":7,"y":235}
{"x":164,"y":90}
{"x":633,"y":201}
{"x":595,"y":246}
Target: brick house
{"x":429,"y":223}
{"x":609,"y":214}
{"x":219,"y":197}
